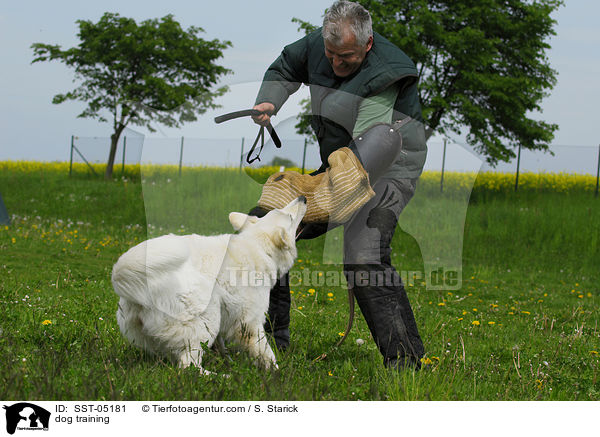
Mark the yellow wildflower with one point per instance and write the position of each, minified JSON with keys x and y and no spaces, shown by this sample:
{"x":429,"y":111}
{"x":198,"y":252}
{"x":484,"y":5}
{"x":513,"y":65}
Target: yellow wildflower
{"x":329,"y":294}
{"x":475,"y":322}
{"x":47,"y":322}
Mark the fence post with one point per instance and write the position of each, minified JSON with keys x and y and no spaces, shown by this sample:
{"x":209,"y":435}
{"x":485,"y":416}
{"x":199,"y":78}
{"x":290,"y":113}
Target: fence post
{"x":304,"y":155}
{"x":180,"y":156}
{"x":242,"y":155}
{"x":123,"y":164}
{"x":71,"y":161}
{"x":598,"y":172}
{"x":518,"y":168}
{"x":443,"y":167}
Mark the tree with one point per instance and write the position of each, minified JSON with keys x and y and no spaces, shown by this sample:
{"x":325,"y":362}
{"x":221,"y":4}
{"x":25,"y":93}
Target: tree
{"x":154,"y":72}
{"x":278,"y":161}
{"x":303,"y":126}
{"x":482,"y":66}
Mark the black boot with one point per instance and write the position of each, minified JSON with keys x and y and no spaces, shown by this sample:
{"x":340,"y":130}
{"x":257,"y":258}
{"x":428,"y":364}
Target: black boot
{"x":278,"y":317}
{"x":277,"y":324}
{"x":391,"y":321}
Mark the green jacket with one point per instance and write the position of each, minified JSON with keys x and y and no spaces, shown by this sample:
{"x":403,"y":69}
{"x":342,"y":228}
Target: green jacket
{"x":335,"y":101}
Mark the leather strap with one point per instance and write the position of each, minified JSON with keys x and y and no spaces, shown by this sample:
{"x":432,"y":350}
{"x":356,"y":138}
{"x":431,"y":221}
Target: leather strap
{"x":261,"y":132}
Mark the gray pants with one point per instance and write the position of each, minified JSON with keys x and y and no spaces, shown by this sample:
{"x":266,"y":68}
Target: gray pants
{"x":376,"y":284}
{"x":368,"y":235}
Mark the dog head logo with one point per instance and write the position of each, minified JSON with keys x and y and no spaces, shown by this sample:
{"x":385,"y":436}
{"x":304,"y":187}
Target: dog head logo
{"x":25,"y":416}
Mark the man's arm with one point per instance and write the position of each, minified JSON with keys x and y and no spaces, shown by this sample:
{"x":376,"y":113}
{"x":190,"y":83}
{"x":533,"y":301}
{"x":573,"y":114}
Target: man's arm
{"x":282,"y":79}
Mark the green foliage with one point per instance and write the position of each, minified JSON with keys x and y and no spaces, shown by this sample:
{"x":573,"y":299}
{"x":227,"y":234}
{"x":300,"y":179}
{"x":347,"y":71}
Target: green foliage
{"x":303,"y":126}
{"x":141,"y":74}
{"x":304,"y":26}
{"x":278,"y":161}
{"x":482,"y":66}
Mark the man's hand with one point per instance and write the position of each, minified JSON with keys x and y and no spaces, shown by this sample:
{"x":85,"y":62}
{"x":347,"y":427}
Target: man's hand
{"x":264,"y":119}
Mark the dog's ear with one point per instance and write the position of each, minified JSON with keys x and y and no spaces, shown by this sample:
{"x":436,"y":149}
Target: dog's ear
{"x":282,"y":239}
{"x":238,"y":220}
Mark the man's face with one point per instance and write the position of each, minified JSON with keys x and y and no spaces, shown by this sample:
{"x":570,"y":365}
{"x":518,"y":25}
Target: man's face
{"x":347,"y":57}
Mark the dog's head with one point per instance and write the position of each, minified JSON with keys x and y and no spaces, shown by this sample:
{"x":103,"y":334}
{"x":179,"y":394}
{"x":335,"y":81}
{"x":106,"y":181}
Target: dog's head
{"x":279,"y":225}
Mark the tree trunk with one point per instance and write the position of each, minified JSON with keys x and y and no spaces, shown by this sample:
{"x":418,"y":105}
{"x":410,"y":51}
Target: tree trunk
{"x":114,"y":141}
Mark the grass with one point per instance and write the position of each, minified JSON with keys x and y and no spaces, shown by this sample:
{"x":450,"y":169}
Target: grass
{"x":522,"y":326}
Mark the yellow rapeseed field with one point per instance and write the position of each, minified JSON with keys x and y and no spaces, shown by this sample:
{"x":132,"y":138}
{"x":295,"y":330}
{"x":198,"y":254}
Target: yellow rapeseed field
{"x":487,"y":181}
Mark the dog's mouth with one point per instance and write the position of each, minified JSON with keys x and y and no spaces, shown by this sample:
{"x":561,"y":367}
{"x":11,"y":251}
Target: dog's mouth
{"x":300,"y":209}
{"x":297,"y":209}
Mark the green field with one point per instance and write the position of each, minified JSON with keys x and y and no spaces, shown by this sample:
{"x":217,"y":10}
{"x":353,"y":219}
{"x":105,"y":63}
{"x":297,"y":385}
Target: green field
{"x":523,"y":325}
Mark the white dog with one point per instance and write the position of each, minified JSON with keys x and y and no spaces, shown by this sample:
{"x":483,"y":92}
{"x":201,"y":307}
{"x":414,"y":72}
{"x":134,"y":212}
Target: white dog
{"x":180,"y":292}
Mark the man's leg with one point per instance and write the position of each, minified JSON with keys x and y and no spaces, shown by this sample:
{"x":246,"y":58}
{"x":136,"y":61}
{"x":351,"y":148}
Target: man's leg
{"x":376,"y":284}
{"x":278,"y":316}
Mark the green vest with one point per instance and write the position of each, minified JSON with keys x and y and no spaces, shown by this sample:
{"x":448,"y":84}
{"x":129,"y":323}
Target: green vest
{"x":335,"y":101}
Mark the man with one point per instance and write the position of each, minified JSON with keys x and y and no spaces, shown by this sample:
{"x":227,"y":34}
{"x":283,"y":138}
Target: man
{"x":357,"y":78}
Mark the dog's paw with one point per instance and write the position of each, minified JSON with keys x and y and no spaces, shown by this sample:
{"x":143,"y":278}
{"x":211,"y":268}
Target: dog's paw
{"x":269,"y":364}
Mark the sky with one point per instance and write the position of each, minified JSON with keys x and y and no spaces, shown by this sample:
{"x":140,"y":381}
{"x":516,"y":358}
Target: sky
{"x":35,"y":129}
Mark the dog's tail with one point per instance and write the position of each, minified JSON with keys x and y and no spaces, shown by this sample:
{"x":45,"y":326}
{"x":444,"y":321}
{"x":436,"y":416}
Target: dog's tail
{"x":129,"y":276}
{"x":158,"y":274}
{"x":146,"y":270}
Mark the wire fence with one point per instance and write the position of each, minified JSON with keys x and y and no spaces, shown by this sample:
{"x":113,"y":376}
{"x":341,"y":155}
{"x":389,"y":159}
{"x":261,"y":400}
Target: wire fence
{"x":183,"y":151}
{"x":443,"y":155}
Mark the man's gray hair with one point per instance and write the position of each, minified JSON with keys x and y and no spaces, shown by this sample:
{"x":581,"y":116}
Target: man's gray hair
{"x":345,"y":12}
